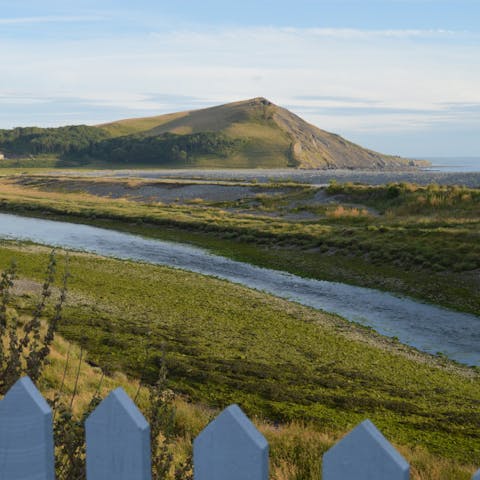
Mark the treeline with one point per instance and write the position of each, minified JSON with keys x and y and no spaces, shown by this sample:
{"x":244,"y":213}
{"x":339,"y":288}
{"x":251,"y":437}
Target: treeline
{"x":162,"y":149}
{"x":84,"y":144}
{"x":61,"y":141}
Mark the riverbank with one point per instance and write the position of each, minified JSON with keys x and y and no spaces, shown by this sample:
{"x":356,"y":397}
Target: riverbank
{"x":281,"y":361}
{"x":416,"y":242}
{"x":453,"y":334}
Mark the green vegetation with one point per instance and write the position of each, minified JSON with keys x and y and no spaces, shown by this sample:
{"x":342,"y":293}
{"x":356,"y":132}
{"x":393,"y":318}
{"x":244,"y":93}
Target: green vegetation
{"x":295,"y":448}
{"x":38,"y":141}
{"x":24,"y":347}
{"x":31,"y":163}
{"x":225,"y":344}
{"x":409,"y":200}
{"x":431,"y":253}
{"x":315,"y":373}
{"x":26,"y":342}
{"x":165,"y":149}
{"x":252,"y":134}
{"x":78,"y":145}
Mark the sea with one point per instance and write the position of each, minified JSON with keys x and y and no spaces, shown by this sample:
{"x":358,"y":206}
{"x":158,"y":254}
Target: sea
{"x":453,"y":164}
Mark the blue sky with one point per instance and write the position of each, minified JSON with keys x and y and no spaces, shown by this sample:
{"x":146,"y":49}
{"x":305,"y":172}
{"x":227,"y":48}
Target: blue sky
{"x":399,"y":76}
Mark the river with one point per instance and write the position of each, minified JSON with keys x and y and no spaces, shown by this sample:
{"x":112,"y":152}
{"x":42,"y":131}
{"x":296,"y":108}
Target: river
{"x":427,"y":327}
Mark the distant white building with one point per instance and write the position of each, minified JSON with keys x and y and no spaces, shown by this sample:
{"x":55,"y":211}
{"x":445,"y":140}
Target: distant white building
{"x":2,"y":156}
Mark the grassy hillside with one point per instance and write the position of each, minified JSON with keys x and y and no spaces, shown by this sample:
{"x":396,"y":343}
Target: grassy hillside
{"x":278,"y":360}
{"x":131,"y":126}
{"x":273,"y":137}
{"x":295,"y":448}
{"x":258,"y":133}
{"x":262,"y":143}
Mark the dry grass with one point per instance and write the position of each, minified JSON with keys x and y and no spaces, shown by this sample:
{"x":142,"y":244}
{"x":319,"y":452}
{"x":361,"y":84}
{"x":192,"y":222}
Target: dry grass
{"x":64,"y":364}
{"x":341,"y":211}
{"x":296,"y":448}
{"x":138,"y":125}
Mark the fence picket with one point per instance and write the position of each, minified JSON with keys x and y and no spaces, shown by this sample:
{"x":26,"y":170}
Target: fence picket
{"x":364,"y":454}
{"x":118,"y":444}
{"x":118,"y":440}
{"x":230,"y":447}
{"x":26,"y":434}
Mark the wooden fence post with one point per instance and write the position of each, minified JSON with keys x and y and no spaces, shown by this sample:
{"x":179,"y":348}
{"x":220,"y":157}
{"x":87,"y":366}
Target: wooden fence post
{"x":118,"y":444}
{"x":26,"y":434}
{"x":230,"y":448}
{"x":364,"y":454}
{"x":118,"y":440}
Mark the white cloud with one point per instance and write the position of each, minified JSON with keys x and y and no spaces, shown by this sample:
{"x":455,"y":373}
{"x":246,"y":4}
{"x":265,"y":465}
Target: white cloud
{"x":356,"y":34}
{"x":48,"y":19}
{"x":415,"y":72}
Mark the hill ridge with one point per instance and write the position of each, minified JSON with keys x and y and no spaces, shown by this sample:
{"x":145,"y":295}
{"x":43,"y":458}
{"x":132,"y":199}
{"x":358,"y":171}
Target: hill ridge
{"x":279,"y":132}
{"x":252,"y":133}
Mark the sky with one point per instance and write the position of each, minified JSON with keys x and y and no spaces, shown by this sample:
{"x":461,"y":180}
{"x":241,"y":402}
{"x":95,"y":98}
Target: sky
{"x":397,"y":76}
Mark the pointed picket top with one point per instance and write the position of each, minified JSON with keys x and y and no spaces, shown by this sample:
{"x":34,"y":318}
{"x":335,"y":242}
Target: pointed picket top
{"x":230,"y":447}
{"x":364,"y":454}
{"x":476,"y":476}
{"x":26,"y":434}
{"x":118,"y":440}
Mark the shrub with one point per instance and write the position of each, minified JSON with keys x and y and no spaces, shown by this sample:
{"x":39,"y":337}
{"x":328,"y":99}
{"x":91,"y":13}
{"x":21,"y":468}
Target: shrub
{"x":26,"y":345}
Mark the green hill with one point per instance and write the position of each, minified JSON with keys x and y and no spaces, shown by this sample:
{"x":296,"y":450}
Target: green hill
{"x":270,"y":136}
{"x":249,"y":134}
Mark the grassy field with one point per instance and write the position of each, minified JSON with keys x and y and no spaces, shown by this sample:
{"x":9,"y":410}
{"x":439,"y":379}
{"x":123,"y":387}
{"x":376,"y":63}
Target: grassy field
{"x":295,"y":448}
{"x":278,"y":360}
{"x":420,"y":241}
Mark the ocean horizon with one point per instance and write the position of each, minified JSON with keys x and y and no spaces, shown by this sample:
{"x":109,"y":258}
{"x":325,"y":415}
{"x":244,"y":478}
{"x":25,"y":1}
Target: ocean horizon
{"x":453,"y":164}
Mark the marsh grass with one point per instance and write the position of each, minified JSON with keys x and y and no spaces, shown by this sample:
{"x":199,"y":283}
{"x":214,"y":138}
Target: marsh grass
{"x":305,"y":377}
{"x":407,"y":199}
{"x":346,"y":212}
{"x":408,"y":246}
{"x":280,"y":361}
{"x":296,"y":447}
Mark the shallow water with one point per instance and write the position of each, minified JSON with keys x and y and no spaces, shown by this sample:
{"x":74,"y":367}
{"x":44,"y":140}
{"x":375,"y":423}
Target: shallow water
{"x":427,"y":327}
{"x":455,"y":164}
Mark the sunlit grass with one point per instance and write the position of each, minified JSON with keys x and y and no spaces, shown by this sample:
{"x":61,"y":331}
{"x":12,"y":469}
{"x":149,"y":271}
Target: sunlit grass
{"x":345,"y":241}
{"x":296,"y":447}
{"x":280,"y":361}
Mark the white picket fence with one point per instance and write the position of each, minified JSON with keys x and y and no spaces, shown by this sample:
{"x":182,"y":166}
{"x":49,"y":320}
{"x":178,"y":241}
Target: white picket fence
{"x":118,"y":444}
